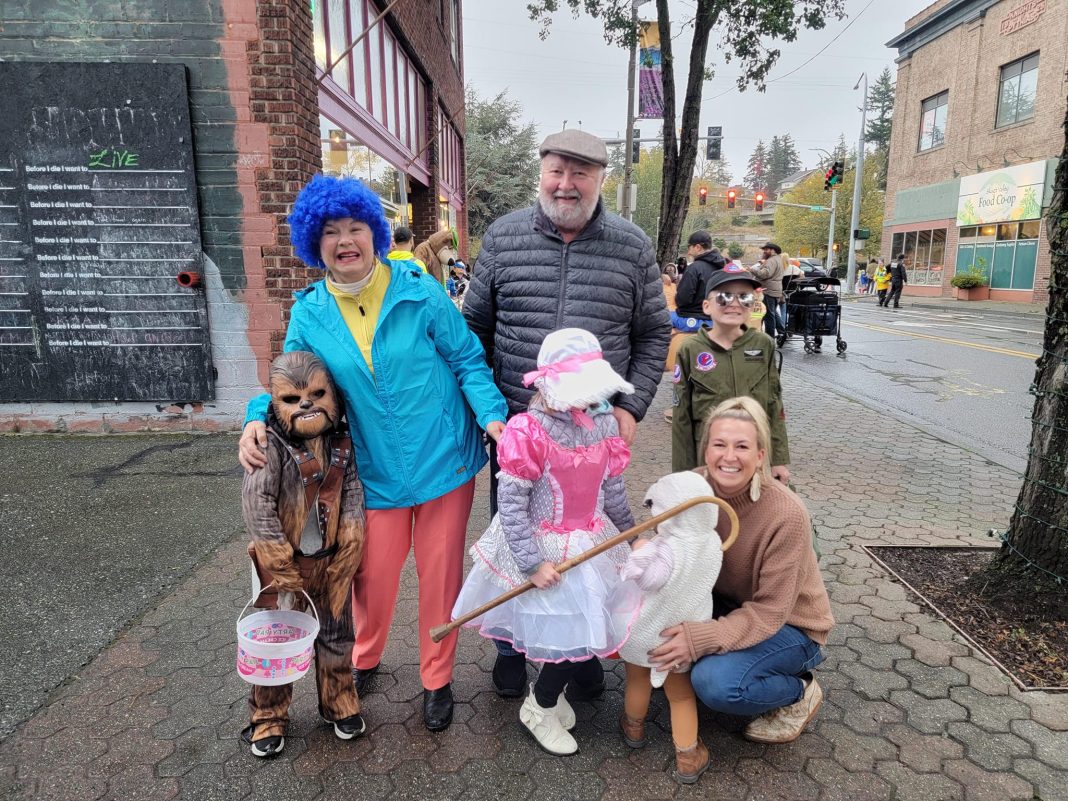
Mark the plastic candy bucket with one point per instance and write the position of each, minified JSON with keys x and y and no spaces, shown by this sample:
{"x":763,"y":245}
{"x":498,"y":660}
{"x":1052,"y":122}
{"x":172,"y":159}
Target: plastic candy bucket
{"x":274,"y":646}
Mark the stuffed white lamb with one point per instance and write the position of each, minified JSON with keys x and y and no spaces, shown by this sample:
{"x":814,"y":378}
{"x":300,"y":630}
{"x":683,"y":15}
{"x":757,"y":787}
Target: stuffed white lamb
{"x":676,"y":570}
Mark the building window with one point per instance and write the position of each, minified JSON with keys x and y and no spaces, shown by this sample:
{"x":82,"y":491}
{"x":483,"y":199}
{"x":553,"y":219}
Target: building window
{"x":925,"y":254}
{"x":346,"y":157}
{"x":1016,"y":93}
{"x":1005,"y":253}
{"x":454,"y":30}
{"x":933,"y":114}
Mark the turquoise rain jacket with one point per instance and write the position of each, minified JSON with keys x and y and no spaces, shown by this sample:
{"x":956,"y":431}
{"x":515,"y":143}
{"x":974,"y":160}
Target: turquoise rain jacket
{"x":413,"y":429}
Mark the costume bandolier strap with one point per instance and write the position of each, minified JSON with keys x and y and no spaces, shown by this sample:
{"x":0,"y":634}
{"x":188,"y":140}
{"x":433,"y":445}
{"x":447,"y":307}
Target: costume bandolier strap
{"x":321,"y":492}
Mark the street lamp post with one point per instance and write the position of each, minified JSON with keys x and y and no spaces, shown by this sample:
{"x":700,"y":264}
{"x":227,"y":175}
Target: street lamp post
{"x":858,"y":181}
{"x":625,"y":211}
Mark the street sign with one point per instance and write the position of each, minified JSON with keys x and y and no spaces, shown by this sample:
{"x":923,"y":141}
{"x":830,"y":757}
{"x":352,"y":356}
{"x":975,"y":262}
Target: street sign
{"x":817,"y":208}
{"x":862,"y":233}
{"x":715,"y":131}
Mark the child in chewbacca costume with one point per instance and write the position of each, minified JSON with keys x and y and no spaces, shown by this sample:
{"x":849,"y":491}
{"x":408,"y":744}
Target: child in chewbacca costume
{"x":304,"y":513}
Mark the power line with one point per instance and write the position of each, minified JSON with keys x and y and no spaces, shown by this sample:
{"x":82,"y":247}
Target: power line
{"x":806,"y":63}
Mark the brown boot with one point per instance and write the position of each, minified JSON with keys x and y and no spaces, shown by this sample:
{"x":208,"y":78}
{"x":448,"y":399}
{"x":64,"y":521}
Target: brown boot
{"x":633,"y":731}
{"x":691,"y":762}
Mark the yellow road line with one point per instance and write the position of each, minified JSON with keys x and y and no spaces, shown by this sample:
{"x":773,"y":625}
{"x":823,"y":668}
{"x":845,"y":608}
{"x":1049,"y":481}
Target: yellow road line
{"x":961,"y":342}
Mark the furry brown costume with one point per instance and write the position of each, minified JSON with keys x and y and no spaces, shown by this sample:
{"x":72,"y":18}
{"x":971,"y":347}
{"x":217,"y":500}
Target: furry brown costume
{"x":307,"y":540}
{"x":436,"y":251}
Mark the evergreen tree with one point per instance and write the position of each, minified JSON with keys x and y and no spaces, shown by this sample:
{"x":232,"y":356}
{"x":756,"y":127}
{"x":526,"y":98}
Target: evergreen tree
{"x":783,"y":160}
{"x":756,"y":172}
{"x":880,"y":112}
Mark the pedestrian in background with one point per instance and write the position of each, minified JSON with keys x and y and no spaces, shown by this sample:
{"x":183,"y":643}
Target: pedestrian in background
{"x":898,"y":278}
{"x":770,"y":271}
{"x":882,"y":282}
{"x":552,"y":266}
{"x":681,"y":263}
{"x":689,"y":314}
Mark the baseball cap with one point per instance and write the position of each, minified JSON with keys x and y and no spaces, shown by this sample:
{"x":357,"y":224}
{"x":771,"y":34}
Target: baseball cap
{"x":576,"y":144}
{"x":732,"y":272}
{"x":702,"y":238}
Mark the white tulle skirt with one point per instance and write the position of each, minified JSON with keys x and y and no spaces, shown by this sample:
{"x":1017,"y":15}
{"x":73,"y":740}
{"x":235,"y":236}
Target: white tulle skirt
{"x":589,"y":613}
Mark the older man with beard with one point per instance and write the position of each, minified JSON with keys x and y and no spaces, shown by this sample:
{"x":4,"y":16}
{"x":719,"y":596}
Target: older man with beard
{"x":568,"y":262}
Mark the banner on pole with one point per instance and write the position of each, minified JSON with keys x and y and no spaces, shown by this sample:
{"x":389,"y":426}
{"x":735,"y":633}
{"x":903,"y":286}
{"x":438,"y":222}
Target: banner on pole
{"x":650,"y":78}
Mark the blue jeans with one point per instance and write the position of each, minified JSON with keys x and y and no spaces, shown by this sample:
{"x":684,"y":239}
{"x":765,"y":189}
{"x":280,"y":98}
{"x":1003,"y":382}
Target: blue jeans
{"x":758,"y":679}
{"x":773,"y":319}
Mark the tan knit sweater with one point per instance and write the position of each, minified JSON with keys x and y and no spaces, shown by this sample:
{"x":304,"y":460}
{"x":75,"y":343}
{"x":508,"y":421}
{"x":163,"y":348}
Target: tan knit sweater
{"x":770,"y":571}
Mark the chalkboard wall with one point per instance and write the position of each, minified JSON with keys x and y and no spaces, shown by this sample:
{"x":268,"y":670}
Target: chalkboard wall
{"x":101,"y":295}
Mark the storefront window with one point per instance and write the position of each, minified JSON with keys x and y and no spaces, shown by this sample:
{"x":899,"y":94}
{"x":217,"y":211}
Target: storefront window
{"x":319,"y":37}
{"x":357,"y":23}
{"x":339,"y":41}
{"x":1006,"y":253}
{"x":345,"y":156}
{"x":925,"y":253}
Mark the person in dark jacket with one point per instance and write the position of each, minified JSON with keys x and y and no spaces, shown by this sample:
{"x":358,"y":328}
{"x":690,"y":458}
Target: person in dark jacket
{"x":568,"y":262}
{"x":898,"y":278}
{"x":689,"y":314}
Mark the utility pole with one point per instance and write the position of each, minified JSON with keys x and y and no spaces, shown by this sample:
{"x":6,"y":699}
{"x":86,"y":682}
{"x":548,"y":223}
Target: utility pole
{"x":858,"y":181}
{"x":830,"y":230}
{"x":632,"y":65}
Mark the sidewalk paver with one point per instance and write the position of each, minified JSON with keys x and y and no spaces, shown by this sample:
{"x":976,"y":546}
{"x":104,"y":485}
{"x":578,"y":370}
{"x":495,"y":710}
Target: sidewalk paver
{"x":911,"y":711}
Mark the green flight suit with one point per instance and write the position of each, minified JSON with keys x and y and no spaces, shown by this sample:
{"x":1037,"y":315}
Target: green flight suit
{"x":706,"y":375}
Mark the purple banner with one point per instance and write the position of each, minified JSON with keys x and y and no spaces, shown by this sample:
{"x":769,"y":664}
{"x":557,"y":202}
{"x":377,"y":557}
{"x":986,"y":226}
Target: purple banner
{"x":650,"y":78}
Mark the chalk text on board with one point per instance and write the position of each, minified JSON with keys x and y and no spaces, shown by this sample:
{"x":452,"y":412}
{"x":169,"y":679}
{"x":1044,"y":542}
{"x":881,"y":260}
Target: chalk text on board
{"x":109,"y":157}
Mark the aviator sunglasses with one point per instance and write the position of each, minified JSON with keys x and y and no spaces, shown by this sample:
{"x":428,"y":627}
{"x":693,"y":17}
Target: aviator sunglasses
{"x":745,"y":299}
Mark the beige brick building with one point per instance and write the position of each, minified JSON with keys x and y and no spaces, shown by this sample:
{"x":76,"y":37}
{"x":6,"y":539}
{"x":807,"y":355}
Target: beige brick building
{"x":980,"y":101}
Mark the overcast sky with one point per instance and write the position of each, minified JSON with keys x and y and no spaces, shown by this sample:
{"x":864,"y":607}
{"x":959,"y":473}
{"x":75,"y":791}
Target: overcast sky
{"x":573,"y":75}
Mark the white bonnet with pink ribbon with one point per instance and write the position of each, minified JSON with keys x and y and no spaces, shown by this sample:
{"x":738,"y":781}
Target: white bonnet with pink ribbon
{"x":572,"y":372}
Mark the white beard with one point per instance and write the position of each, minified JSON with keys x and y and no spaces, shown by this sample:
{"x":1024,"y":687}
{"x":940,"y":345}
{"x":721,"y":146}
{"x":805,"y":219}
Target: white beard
{"x":568,"y":219}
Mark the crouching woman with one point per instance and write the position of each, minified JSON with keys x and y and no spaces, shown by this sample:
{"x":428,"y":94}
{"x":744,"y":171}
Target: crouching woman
{"x":773,"y":614}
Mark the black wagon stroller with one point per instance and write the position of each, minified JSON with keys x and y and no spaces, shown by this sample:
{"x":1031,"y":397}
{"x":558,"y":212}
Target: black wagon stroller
{"x":813,"y":311}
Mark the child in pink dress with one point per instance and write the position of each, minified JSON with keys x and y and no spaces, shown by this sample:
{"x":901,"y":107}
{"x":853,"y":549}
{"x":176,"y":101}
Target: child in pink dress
{"x":560,"y":493}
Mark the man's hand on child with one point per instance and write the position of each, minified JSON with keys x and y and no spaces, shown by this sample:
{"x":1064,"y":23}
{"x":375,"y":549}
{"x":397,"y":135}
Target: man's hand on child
{"x":675,"y":651}
{"x":781,"y":472}
{"x":628,"y":426}
{"x":545,"y":576}
{"x":495,"y":429}
{"x":252,"y":447}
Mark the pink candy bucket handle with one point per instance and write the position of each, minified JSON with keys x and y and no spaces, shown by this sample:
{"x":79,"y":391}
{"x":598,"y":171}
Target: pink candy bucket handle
{"x":253,"y":598}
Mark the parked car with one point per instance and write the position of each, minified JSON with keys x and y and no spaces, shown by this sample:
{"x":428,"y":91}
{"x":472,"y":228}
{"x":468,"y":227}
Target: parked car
{"x":812,"y":268}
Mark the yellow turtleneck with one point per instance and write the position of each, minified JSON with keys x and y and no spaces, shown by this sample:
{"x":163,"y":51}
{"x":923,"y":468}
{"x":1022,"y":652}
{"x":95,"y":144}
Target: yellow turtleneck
{"x":360,"y":310}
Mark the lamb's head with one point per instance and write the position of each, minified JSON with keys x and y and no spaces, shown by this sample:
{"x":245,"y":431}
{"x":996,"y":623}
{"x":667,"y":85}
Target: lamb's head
{"x":696,"y":523}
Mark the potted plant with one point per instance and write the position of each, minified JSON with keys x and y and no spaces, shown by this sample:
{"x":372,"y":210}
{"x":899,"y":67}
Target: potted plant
{"x":971,"y":284}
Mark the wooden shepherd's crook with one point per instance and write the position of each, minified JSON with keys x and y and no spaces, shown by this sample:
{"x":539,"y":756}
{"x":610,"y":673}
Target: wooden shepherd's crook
{"x":438,"y":633}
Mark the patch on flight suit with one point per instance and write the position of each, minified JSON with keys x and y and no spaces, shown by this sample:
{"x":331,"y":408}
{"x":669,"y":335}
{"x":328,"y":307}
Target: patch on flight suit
{"x":705,"y":361}
{"x":754,"y":355}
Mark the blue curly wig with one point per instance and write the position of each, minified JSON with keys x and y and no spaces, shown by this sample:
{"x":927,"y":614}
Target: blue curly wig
{"x":326,"y":198}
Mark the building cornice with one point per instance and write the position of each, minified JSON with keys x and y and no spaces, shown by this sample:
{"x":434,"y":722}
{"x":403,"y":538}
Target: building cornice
{"x":958,"y":12}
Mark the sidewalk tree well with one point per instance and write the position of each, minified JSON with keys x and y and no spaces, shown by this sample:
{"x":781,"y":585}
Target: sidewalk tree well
{"x":1036,"y":545}
{"x":502,"y":160}
{"x":746,"y":31}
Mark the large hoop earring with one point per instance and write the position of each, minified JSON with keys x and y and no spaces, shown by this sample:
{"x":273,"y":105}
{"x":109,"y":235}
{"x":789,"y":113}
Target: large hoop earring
{"x":754,"y":488}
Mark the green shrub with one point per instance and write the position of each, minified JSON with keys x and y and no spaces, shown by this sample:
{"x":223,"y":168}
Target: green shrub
{"x":735,"y":250}
{"x":969,"y":279}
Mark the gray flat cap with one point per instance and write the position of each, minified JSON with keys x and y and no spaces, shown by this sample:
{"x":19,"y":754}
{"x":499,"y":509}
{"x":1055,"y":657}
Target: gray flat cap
{"x":576,"y":144}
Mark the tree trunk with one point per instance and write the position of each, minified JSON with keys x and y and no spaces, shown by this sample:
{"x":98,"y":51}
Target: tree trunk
{"x":1038,"y":531}
{"x":680,"y":155}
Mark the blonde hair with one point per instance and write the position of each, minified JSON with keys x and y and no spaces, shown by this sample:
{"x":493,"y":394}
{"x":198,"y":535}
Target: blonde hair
{"x":740,"y":408}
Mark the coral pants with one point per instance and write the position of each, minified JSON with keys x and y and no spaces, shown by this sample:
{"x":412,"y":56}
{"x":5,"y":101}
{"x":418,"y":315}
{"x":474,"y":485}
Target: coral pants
{"x":438,"y":531}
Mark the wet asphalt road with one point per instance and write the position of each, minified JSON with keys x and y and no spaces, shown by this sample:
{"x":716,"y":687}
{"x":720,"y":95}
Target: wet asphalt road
{"x":94,"y":530}
{"x":961,"y":375}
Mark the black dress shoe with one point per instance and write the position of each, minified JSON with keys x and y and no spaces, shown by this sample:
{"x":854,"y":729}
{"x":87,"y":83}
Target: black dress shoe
{"x":510,"y":675}
{"x":437,"y":708}
{"x":362,"y":677}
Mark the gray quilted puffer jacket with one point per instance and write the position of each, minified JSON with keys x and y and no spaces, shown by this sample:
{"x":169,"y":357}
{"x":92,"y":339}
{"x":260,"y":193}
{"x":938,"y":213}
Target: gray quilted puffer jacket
{"x":523,"y":507}
{"x":528,"y":283}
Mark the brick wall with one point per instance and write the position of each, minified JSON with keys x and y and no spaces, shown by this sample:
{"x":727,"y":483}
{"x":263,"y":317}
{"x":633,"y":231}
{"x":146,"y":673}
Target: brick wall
{"x":254,"y":114}
{"x":966,"y":61}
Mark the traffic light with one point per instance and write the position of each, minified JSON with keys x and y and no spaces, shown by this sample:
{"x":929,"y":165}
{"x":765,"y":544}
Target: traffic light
{"x":833,"y":176}
{"x":732,"y":195}
{"x":702,"y":196}
{"x":715,"y":134}
{"x":758,"y":201}
{"x":636,"y":147}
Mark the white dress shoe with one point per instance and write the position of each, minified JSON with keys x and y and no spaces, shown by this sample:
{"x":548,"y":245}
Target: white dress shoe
{"x":545,"y":727}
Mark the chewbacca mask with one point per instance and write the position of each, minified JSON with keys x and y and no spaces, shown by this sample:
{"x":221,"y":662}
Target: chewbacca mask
{"x":303,"y":395}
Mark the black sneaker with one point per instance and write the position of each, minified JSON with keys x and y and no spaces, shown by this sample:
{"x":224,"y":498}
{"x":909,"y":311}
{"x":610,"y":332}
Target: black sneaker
{"x":350,"y":728}
{"x":362,"y":678}
{"x":267,"y":747}
{"x":510,"y":675}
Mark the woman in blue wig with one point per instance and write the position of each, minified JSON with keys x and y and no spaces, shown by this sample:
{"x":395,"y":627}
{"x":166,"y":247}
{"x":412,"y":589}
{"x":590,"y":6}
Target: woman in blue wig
{"x":418,"y":394}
